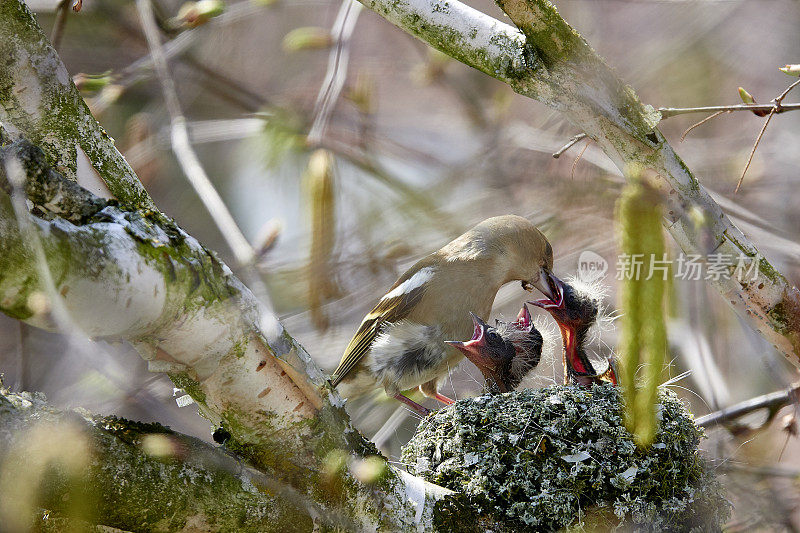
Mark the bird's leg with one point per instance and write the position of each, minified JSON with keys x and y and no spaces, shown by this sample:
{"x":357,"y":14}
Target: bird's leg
{"x":429,"y":389}
{"x":424,"y":411}
{"x":444,"y":399}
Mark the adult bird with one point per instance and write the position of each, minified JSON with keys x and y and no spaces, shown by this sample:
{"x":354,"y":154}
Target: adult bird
{"x":576,"y":311}
{"x":505,"y":353}
{"x":400,"y":343}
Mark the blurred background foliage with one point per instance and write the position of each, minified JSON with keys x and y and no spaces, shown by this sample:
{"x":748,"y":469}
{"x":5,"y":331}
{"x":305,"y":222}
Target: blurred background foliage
{"x":417,"y":148}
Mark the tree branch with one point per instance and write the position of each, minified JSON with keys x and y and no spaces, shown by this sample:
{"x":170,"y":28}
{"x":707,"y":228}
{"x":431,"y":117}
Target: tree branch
{"x":117,"y":462}
{"x":136,"y":276}
{"x":552,"y":63}
{"x":772,"y":402}
{"x":40,"y":103}
{"x":667,"y":112}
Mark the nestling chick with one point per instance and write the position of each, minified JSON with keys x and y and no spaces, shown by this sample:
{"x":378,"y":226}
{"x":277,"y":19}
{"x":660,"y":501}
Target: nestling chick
{"x":506,"y":353}
{"x":576,"y":312}
{"x":400,"y":343}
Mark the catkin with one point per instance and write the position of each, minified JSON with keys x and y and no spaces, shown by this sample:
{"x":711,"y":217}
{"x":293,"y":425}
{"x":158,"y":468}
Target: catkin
{"x":319,"y":190}
{"x":642,"y":300}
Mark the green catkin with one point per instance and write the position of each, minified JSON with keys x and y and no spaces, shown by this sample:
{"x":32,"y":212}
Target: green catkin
{"x":319,"y":187}
{"x":643,"y":333}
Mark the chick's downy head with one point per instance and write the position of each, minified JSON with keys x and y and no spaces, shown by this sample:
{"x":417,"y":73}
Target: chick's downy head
{"x":504,"y":353}
{"x":576,"y":309}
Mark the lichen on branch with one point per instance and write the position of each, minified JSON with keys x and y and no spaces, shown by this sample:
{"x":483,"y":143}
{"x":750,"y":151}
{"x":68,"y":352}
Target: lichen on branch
{"x":130,"y":475}
{"x":561,"y":457}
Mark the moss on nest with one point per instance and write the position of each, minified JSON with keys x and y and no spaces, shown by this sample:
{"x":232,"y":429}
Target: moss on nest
{"x":561,"y":456}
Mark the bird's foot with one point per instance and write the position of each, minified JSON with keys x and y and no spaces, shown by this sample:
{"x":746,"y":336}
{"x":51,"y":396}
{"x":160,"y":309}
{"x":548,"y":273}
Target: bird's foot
{"x":444,"y":399}
{"x":424,"y":411}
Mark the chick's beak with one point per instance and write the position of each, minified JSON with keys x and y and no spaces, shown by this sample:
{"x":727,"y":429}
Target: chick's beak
{"x":552,"y":287}
{"x":474,"y":349}
{"x":524,"y":320}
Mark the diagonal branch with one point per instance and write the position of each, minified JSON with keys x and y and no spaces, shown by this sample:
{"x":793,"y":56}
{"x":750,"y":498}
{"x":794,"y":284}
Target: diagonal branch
{"x":134,"y":275}
{"x":550,"y":62}
{"x":40,"y":103}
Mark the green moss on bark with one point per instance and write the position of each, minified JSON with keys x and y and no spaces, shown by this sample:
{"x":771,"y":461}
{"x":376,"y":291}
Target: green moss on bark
{"x":189,"y":488}
{"x":38,"y":98}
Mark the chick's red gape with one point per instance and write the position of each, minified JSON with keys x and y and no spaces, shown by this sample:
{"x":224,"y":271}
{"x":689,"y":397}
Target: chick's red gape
{"x":575,"y":312}
{"x":505,"y":353}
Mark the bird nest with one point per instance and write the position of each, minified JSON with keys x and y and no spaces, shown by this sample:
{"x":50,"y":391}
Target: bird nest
{"x":561,"y":456}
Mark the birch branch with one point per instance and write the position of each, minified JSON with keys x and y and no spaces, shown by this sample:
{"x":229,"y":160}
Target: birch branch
{"x":40,"y":103}
{"x":184,"y":481}
{"x":136,"y":276}
{"x":550,"y":62}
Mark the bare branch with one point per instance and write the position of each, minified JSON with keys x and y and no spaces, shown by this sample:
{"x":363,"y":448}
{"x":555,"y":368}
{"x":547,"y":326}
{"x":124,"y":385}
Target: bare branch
{"x":187,"y":158}
{"x":753,"y":150}
{"x":667,"y":112}
{"x":700,"y":123}
{"x":336,"y":74}
{"x":772,"y":402}
{"x":572,"y":142}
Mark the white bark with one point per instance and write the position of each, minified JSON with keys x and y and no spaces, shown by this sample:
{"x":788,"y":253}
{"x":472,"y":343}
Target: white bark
{"x":135,"y":276}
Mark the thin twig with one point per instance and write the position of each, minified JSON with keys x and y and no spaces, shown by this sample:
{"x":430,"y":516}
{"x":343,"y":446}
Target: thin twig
{"x":778,"y":107}
{"x":62,"y":11}
{"x":190,"y":164}
{"x":696,"y":124}
{"x":572,"y":142}
{"x":667,"y":112}
{"x":753,"y":151}
{"x":187,"y":158}
{"x":575,"y":163}
{"x":773,"y":402}
{"x":779,"y":99}
{"x":337,"y":69}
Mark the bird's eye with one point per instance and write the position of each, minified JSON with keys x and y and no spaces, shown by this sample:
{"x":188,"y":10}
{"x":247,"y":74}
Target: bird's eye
{"x":493,"y":338}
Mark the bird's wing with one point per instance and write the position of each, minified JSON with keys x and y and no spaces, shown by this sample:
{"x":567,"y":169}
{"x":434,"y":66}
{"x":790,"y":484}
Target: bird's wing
{"x":393,"y":307}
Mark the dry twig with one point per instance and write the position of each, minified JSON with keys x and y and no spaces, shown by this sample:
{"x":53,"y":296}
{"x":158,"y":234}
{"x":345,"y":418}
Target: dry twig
{"x":773,"y":402}
{"x":575,"y":163}
{"x":696,"y":124}
{"x":572,"y":142}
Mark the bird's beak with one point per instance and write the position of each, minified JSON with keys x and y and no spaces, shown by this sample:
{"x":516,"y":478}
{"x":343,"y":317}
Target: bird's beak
{"x":524,"y":320}
{"x":472,"y":349}
{"x":552,"y":287}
